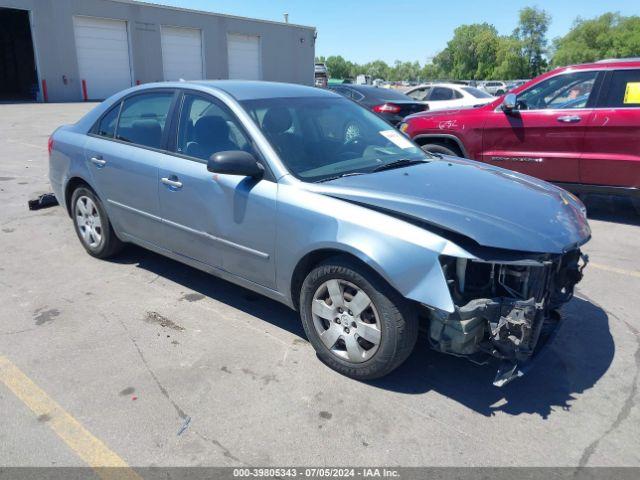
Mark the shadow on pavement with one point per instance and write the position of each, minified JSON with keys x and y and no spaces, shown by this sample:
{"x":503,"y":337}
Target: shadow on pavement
{"x":573,"y":363}
{"x":579,"y":356}
{"x":608,"y":208}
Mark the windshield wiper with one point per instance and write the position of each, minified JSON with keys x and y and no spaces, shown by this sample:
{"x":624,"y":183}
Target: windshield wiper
{"x":328,"y":179}
{"x":403,"y":162}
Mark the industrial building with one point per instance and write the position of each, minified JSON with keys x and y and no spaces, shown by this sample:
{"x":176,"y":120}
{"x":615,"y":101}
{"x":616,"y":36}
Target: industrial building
{"x":71,"y":50}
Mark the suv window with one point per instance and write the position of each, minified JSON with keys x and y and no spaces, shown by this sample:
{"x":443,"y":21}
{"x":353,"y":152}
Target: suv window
{"x":143,"y":118}
{"x":441,"y":93}
{"x":107,"y":126}
{"x":624,"y":90}
{"x":571,"y":90}
{"x":207,"y":127}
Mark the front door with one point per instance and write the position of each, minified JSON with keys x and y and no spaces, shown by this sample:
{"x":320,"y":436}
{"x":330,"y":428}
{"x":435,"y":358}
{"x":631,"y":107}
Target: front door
{"x":121,"y":156}
{"x":224,"y":221}
{"x":544,"y":135}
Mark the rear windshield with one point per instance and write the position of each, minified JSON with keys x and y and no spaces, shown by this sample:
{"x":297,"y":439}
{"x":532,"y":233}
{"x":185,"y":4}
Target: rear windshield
{"x":383,"y":93}
{"x":476,"y":93}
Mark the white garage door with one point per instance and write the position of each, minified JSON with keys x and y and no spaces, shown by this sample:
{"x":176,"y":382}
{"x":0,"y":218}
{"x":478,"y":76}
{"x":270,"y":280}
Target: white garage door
{"x":103,"y":55}
{"x":182,"y":53}
{"x":244,"y":57}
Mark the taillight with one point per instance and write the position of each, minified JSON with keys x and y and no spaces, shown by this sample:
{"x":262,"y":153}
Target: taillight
{"x":50,"y":144}
{"x":386,"y":108}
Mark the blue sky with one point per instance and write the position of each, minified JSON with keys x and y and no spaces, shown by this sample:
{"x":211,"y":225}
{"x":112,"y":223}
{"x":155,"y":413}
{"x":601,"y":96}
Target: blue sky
{"x":364,"y":30}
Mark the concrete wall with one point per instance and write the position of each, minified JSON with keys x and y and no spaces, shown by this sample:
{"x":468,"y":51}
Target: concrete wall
{"x":287,"y":50}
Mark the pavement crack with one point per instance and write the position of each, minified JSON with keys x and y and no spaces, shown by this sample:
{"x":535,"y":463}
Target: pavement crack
{"x":628,"y":404}
{"x":183,"y":416}
{"x":225,"y":451}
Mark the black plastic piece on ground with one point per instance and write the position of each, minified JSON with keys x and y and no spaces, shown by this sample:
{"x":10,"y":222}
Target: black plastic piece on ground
{"x":43,"y":201}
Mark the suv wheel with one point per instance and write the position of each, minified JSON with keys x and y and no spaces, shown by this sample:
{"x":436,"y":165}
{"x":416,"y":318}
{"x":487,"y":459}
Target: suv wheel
{"x":92,"y":224}
{"x":358,"y":325}
{"x":439,"y":148}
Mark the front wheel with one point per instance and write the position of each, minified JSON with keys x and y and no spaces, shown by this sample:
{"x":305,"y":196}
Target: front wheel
{"x":358,"y":325}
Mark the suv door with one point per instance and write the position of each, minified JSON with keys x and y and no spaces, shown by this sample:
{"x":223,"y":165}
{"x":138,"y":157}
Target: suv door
{"x":121,"y":154}
{"x":544,"y":135}
{"x":612,"y":142}
{"x":223,"y":221}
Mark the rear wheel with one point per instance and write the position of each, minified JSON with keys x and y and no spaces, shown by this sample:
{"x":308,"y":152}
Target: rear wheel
{"x":358,"y":325}
{"x":440,"y":148}
{"x":92,"y":224}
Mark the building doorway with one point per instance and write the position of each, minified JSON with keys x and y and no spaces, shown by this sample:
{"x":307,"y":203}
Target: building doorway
{"x":18,"y":76}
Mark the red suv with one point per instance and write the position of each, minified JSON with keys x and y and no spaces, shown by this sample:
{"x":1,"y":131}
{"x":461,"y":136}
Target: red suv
{"x":576,"y":126}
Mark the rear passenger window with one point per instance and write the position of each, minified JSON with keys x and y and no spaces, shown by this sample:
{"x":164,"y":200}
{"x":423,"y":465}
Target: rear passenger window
{"x":143,"y":119}
{"x":624,"y":90}
{"x":441,"y":93}
{"x":107,"y":126}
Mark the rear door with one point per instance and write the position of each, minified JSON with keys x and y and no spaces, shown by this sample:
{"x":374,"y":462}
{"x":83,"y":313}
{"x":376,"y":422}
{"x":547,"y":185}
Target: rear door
{"x":544,"y":136}
{"x":443,"y":97}
{"x":612,"y":143}
{"x":122,"y":153}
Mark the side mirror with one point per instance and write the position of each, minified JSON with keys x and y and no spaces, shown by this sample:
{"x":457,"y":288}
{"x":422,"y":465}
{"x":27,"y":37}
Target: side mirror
{"x":235,"y":162}
{"x":509,"y":102}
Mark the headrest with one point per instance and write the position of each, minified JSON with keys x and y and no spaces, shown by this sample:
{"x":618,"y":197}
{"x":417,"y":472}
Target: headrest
{"x":211,"y":129}
{"x":277,"y":120}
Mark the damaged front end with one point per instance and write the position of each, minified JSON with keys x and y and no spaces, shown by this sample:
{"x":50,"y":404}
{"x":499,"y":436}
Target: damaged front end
{"x":504,"y":309}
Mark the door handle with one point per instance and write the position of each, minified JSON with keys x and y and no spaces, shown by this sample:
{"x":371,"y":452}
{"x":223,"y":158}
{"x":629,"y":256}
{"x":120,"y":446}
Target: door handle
{"x":98,"y":161}
{"x":172,"y":183}
{"x":569,"y":118}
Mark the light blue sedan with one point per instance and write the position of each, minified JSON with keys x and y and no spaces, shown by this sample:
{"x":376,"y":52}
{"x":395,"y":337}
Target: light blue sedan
{"x":304,"y":196}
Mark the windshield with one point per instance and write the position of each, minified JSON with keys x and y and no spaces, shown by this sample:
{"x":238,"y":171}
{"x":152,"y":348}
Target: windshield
{"x":476,"y":93}
{"x":322,"y":138}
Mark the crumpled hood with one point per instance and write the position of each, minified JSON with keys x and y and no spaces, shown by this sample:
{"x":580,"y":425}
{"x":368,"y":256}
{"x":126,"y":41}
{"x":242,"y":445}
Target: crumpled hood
{"x":492,"y":206}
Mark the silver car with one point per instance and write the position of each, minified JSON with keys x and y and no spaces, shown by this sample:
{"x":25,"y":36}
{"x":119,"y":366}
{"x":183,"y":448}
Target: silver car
{"x":367,"y":236}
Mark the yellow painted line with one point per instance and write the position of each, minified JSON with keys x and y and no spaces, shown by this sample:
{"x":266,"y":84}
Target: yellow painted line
{"x":621,"y":271}
{"x":106,"y":463}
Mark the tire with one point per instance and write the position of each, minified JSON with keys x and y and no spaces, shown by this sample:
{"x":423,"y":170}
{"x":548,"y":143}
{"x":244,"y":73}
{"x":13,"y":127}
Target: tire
{"x":361,"y":342}
{"x":92,"y":224}
{"x":636,"y":204}
{"x":439,"y":148}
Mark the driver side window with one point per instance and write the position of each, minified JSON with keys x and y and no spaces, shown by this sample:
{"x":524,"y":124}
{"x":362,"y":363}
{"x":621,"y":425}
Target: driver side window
{"x":206,"y":128}
{"x":565,"y":91}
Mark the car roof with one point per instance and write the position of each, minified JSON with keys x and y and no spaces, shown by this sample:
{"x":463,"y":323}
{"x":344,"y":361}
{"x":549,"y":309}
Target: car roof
{"x":607,"y":64}
{"x":250,"y":89}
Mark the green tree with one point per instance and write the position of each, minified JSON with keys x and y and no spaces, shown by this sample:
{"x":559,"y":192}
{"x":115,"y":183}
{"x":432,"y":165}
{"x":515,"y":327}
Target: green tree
{"x":470,"y":54}
{"x":509,"y":62}
{"x":532,"y":32}
{"x":608,"y":36}
{"x":338,"y":67}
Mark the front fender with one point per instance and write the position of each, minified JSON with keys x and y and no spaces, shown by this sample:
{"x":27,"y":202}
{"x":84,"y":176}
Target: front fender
{"x":405,"y":255}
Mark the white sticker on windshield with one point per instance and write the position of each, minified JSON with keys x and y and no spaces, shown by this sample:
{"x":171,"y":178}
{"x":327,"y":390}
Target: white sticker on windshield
{"x":397,"y":138}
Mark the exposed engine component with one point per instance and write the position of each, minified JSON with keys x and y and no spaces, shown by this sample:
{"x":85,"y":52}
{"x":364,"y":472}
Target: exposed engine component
{"x":501,"y":308}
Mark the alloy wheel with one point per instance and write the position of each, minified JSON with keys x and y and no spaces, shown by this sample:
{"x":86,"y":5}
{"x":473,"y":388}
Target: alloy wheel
{"x":89,"y":222}
{"x":346,"y":320}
